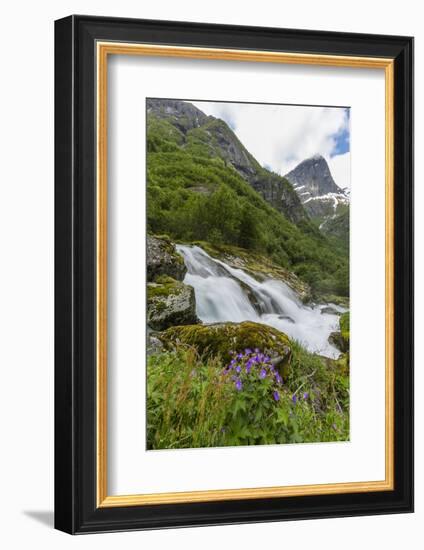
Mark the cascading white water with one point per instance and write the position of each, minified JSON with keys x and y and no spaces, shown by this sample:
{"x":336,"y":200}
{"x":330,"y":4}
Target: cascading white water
{"x":224,"y":293}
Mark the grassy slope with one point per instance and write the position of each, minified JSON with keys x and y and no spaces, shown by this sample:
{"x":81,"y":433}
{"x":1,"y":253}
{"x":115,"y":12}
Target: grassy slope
{"x":193,"y":193}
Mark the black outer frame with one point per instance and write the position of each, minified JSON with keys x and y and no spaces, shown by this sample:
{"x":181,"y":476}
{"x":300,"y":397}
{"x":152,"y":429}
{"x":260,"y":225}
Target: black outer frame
{"x":75,"y":275}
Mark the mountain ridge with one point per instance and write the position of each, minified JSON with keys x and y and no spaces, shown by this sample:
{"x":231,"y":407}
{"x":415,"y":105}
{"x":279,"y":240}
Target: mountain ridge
{"x":188,"y":118}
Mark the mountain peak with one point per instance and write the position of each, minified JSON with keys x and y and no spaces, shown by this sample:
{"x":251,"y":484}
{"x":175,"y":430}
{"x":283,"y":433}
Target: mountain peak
{"x":316,"y":188}
{"x":312,"y":177}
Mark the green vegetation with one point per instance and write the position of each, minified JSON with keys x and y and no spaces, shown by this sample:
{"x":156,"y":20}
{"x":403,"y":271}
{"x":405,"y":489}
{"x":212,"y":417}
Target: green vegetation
{"x":207,"y":401}
{"x":193,"y":193}
{"x":345,"y":326}
{"x":337,"y":229}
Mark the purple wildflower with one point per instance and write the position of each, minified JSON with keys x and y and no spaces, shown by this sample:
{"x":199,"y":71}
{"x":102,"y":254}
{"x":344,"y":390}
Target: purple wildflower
{"x":305,"y":395}
{"x":247,"y":351}
{"x":262,"y":374}
{"x":276,"y":396}
{"x":257,"y":350}
{"x":239,"y":384}
{"x":278,"y":378}
{"x":240,"y":356}
{"x":238,"y":369}
{"x":294,"y":399}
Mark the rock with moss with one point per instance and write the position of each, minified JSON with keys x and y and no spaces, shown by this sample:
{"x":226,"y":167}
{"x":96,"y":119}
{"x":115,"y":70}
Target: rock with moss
{"x":337,"y":341}
{"x":340,"y":339}
{"x":220,"y":339}
{"x":170,"y":302}
{"x":163,"y":259}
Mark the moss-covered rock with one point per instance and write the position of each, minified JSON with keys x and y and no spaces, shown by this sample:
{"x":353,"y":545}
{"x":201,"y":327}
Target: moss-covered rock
{"x":163,"y":259}
{"x":337,"y":341}
{"x":221,"y":338}
{"x":341,"y":339}
{"x":170,"y":302}
{"x":256,"y":265}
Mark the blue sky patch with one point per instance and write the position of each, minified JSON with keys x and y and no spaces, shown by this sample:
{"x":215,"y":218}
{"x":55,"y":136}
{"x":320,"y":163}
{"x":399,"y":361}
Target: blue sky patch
{"x":342,"y":138}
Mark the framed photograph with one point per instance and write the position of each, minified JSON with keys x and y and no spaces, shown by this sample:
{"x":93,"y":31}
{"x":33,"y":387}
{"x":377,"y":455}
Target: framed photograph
{"x":234,"y":269}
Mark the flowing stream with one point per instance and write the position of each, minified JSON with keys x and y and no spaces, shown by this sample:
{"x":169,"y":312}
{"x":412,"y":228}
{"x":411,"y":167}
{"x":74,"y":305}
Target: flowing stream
{"x":224,"y":293}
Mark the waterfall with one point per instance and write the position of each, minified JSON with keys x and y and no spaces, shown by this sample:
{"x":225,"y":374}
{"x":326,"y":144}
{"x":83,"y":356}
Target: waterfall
{"x":224,"y":293}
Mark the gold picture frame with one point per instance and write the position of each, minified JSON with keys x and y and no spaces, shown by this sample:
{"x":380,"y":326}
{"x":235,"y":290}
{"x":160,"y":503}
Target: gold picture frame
{"x":106,"y":49}
{"x":83,"y":46}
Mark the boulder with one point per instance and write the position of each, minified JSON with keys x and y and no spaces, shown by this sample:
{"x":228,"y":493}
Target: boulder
{"x":163,"y":259}
{"x":220,"y":339}
{"x":170,"y":302}
{"x":340,"y":339}
{"x":337,"y":341}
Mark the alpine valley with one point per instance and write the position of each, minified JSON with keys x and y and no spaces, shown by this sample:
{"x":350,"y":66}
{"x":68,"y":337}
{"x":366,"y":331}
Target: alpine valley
{"x":244,"y":267}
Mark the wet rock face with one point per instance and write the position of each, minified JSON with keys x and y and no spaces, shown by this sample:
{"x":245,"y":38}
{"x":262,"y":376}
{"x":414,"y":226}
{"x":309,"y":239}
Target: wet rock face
{"x":163,"y":259}
{"x":341,"y":339}
{"x":278,"y":192}
{"x":170,"y":303}
{"x":337,"y":341}
{"x":330,"y":310}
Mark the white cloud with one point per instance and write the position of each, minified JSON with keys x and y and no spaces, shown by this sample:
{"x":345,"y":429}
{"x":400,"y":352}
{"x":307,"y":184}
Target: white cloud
{"x":281,"y":136}
{"x":340,"y":169}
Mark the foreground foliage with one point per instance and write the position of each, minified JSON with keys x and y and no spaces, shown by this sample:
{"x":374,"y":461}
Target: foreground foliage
{"x":243,"y":399}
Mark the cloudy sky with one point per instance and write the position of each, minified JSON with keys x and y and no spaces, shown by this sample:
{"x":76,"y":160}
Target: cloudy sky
{"x":281,"y":136}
